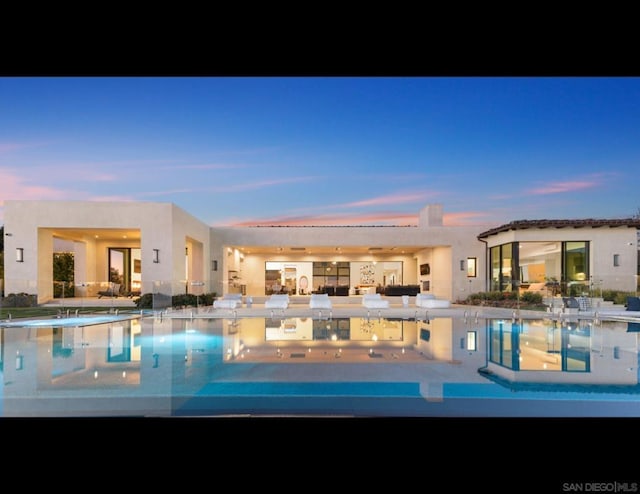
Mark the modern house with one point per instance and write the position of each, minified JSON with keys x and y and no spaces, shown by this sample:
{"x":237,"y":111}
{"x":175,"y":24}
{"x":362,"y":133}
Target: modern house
{"x":147,"y":247}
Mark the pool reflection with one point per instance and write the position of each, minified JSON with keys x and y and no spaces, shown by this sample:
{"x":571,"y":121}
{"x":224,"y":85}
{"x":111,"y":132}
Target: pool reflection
{"x":163,"y":367}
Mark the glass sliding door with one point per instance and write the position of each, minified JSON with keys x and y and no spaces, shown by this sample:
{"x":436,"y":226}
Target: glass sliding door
{"x":125,"y":269}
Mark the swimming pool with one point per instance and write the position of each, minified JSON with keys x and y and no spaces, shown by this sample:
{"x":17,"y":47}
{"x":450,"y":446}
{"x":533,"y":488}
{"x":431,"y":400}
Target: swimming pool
{"x":150,"y":366}
{"x":86,"y":320}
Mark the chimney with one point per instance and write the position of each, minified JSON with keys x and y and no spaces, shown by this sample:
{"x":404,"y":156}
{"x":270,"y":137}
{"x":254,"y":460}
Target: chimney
{"x":430,"y":215}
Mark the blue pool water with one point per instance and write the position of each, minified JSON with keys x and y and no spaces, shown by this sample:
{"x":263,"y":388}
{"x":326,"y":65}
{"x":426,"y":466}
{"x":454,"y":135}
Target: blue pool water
{"x":297,"y":389}
{"x":67,"y":321}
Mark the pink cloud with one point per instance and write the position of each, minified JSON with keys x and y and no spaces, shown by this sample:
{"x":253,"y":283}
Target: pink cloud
{"x":266,"y":183}
{"x":6,"y":147}
{"x":203,"y":167}
{"x":13,"y":187}
{"x":560,"y":187}
{"x":399,"y":198}
{"x":467,"y":218}
{"x":391,"y":218}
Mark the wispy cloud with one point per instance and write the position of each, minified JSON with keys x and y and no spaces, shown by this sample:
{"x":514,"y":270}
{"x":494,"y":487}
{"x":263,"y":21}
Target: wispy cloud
{"x":557,"y":187}
{"x":465,"y":218}
{"x":380,"y":218}
{"x":398,"y":198}
{"x":265,"y":183}
{"x":8,"y":147}
{"x":562,"y":187}
{"x":231,"y":188}
{"x":13,"y":186}
{"x":468,"y":218}
{"x":210,"y":166}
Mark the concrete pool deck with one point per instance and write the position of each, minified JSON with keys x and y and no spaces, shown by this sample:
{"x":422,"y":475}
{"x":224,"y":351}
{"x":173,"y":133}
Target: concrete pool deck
{"x":344,"y":307}
{"x":397,"y":310}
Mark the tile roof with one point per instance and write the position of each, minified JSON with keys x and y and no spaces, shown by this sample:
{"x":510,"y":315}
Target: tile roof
{"x":583,"y":223}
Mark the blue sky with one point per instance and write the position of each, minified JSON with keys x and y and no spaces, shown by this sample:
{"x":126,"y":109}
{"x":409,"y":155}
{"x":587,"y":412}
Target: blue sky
{"x":328,"y":150}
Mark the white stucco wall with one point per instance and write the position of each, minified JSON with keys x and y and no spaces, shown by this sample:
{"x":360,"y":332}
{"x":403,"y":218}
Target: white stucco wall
{"x":163,"y":226}
{"x":604,"y":243}
{"x":31,"y":226}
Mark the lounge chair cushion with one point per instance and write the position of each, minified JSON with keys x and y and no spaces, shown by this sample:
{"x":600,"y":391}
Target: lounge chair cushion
{"x":320,"y":301}
{"x":429,"y":301}
{"x":434,"y":303}
{"x":277,"y":301}
{"x":421,"y":298}
{"x":227,"y":303}
{"x":374,"y":301}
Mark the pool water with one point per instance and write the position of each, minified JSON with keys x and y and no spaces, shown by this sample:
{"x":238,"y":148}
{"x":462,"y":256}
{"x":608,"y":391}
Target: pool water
{"x":149,"y":366}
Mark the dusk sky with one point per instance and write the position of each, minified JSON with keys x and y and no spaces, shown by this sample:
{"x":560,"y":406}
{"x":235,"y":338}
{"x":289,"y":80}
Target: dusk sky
{"x":328,"y":150}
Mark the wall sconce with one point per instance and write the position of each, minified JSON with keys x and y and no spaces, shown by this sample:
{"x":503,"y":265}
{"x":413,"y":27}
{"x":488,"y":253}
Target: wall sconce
{"x":156,"y":255}
{"x":616,"y":259}
{"x":214,"y":265}
{"x":19,"y":254}
{"x":462,"y":268}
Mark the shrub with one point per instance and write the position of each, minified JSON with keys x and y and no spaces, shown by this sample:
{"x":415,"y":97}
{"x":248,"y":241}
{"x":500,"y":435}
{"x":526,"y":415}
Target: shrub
{"x":531,"y":298}
{"x":19,"y":300}
{"x":616,"y":296}
{"x":177,"y":301}
{"x":507,"y":300}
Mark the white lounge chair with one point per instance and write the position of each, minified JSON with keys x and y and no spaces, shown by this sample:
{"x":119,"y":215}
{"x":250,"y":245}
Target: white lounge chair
{"x":421,"y":298}
{"x":277,"y":301}
{"x":429,"y":301}
{"x":320,"y":301}
{"x":228,"y":301}
{"x":374,"y":301}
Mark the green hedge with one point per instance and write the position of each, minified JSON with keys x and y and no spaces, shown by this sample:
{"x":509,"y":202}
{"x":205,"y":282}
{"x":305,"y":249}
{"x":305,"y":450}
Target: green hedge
{"x":19,"y":300}
{"x":177,"y":301}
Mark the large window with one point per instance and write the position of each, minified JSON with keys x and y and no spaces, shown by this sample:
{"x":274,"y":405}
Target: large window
{"x":576,"y":267}
{"x":125,"y":269}
{"x":503,"y":267}
{"x":291,"y":278}
{"x":331,"y":274}
{"x":558,"y":267}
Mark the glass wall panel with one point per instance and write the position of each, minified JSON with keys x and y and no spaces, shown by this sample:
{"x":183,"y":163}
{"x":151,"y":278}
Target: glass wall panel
{"x":495,"y":269}
{"x":501,"y":344}
{"x":576,"y":268}
{"x":507,"y":267}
